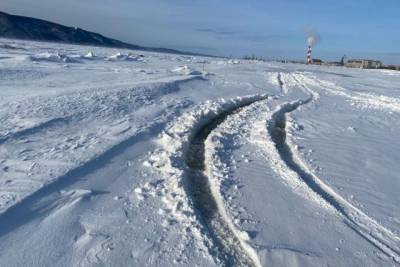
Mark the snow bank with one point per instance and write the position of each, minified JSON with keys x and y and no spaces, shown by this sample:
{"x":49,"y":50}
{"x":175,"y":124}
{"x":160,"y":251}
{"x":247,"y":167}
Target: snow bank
{"x":90,"y":55}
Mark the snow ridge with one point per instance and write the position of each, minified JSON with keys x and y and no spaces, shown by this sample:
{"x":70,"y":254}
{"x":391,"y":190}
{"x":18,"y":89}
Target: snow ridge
{"x":28,"y":131}
{"x":38,"y":155}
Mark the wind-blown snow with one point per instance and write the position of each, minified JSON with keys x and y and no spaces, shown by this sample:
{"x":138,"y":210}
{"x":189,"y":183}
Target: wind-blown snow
{"x":94,"y":169}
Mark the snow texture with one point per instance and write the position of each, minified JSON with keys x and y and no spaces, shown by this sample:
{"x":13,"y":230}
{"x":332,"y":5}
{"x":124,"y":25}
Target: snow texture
{"x":110,"y":157}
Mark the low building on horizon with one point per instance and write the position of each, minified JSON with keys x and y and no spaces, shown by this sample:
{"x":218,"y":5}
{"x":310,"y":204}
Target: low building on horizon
{"x":363,"y":64}
{"x":316,"y":61}
{"x":332,"y":63}
{"x":391,"y":67}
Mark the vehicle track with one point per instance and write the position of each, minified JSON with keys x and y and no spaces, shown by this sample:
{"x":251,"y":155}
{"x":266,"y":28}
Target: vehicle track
{"x":281,"y":84}
{"x":231,"y":249}
{"x":376,"y":234}
{"x":361,"y":99}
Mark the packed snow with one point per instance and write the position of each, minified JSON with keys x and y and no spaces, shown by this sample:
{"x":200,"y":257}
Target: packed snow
{"x":110,"y":157}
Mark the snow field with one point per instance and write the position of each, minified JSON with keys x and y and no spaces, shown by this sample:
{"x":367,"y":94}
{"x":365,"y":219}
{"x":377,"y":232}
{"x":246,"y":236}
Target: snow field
{"x":115,"y":157}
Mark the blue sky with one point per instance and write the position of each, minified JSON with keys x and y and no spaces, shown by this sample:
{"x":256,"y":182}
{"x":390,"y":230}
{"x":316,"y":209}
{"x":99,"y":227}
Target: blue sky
{"x":272,"y":29}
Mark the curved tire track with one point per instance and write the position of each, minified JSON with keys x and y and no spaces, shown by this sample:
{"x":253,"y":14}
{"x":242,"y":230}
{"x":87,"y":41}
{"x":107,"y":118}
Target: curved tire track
{"x":365,"y":226}
{"x":231,"y":249}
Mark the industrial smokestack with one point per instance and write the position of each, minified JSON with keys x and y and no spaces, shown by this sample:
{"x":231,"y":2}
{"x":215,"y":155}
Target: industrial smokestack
{"x":312,"y":40}
{"x":309,"y":51}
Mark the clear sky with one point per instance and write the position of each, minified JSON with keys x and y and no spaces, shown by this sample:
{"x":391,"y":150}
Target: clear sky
{"x":272,"y":29}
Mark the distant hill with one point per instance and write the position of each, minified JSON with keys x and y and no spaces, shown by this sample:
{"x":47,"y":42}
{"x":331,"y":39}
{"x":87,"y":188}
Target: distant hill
{"x":26,"y":28}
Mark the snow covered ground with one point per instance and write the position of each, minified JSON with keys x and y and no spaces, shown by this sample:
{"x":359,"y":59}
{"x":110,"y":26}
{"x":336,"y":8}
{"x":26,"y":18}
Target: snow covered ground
{"x":111,"y":157}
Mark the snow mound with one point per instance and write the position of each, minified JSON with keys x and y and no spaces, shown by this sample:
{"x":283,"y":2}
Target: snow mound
{"x":234,"y":61}
{"x":54,"y":57}
{"x":185,"y":70}
{"x":227,"y":62}
{"x":125,"y":57}
{"x":90,"y":55}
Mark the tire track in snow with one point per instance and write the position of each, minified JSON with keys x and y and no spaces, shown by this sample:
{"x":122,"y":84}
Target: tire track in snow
{"x":232,"y":249}
{"x":299,"y":81}
{"x":287,"y":81}
{"x":368,"y":228}
{"x":359,"y":99}
{"x":276,"y":78}
{"x":376,"y":234}
{"x":281,"y":84}
{"x":190,"y":196}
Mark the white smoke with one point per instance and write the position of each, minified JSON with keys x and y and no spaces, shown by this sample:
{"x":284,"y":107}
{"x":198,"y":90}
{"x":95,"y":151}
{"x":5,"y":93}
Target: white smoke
{"x":313,"y":40}
{"x":312,"y":37}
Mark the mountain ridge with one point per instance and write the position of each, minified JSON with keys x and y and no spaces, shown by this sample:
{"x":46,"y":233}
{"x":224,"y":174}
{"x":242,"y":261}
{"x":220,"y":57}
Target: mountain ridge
{"x":34,"y":29}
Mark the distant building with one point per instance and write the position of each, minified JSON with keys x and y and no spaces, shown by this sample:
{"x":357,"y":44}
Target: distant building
{"x":391,"y":67}
{"x":332,"y":63}
{"x":316,"y":61}
{"x":363,"y":64}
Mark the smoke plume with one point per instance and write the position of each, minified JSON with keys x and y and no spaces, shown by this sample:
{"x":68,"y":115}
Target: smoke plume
{"x":312,"y":37}
{"x":313,"y":40}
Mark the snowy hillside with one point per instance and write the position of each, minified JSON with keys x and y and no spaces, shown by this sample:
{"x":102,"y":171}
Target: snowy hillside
{"x":110,"y":157}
